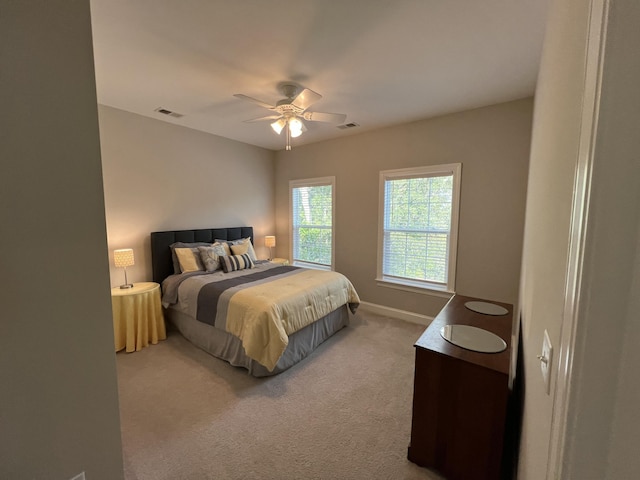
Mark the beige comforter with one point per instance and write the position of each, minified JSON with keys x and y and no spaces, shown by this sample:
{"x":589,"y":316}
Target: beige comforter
{"x":260,"y":306}
{"x":264,"y":315}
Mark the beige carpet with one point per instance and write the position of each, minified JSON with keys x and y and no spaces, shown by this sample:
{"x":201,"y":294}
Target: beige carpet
{"x":342,"y":413}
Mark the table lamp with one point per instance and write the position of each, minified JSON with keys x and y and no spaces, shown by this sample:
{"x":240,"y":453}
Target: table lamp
{"x":270,"y":241}
{"x":124,"y":258}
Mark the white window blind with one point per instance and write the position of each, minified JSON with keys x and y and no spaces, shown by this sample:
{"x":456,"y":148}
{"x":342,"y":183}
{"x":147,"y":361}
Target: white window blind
{"x":418,"y":229}
{"x":312,"y":222}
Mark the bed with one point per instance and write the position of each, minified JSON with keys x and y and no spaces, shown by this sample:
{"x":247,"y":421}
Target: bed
{"x":262,"y":316}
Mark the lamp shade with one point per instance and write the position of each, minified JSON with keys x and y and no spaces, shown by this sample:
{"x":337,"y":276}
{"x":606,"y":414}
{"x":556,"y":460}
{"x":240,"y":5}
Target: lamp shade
{"x":278,"y":125}
{"x":269,"y":241}
{"x":123,"y":257}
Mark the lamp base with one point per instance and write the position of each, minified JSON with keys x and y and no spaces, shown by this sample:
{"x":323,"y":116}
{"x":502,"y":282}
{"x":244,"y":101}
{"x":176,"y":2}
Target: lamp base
{"x":129,"y":285}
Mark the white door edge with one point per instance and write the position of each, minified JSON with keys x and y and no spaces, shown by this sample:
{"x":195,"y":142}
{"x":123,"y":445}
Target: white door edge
{"x":582,"y":186}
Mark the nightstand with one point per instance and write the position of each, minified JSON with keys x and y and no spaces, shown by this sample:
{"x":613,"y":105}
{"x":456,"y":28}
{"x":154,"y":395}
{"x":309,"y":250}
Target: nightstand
{"x":137,"y":316}
{"x":282,"y":261}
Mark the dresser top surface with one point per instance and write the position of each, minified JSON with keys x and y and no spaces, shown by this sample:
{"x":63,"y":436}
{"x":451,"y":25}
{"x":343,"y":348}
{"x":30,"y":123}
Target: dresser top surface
{"x":456,"y":313}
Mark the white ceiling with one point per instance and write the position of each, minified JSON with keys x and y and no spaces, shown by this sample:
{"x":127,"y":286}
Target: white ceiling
{"x":380,"y":62}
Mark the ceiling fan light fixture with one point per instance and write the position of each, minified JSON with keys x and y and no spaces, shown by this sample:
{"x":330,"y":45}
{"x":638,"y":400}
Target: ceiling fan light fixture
{"x":295,"y":125}
{"x":278,"y":125}
{"x":290,"y":112}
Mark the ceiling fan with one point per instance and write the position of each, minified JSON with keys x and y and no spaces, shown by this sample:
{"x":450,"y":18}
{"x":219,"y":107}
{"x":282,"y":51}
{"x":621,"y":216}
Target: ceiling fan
{"x":290,"y":112}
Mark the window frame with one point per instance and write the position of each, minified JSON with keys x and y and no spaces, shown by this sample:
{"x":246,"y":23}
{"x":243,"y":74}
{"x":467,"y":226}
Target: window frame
{"x":403,"y":283}
{"x":313,"y":182}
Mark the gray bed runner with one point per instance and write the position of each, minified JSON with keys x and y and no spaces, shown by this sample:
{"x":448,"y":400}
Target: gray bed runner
{"x":209,"y":295}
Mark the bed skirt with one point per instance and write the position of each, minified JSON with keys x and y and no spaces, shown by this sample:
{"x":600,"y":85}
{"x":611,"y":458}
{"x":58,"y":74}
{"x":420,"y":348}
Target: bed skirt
{"x":223,"y":345}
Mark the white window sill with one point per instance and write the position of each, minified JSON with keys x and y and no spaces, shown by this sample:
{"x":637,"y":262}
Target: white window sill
{"x":416,"y":287}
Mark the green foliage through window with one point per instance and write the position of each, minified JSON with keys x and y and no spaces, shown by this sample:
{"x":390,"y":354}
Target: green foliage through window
{"x":312,"y":223}
{"x":417,"y":225}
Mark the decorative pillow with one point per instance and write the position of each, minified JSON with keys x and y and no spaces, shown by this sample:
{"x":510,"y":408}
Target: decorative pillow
{"x":225,"y":244}
{"x":210,"y":256}
{"x":189,"y":259}
{"x":240,"y":249}
{"x":174,"y":257}
{"x":231,"y":263}
{"x":244,"y":241}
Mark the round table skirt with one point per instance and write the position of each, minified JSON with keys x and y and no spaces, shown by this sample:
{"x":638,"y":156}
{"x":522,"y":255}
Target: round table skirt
{"x":137,"y":316}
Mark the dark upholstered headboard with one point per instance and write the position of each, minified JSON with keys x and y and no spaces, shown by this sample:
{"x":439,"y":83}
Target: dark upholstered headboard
{"x":161,"y":253}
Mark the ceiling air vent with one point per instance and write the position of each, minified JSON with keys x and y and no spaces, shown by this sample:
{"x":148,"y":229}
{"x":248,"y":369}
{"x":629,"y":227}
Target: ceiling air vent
{"x":348,"y":125}
{"x":164,"y":111}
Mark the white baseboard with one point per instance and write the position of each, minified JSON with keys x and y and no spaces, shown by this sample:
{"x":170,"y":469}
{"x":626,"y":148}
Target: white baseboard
{"x":396,"y":313}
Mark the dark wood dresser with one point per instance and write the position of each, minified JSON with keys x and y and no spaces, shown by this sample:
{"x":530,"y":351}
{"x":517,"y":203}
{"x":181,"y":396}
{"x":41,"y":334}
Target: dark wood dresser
{"x":460,"y":397}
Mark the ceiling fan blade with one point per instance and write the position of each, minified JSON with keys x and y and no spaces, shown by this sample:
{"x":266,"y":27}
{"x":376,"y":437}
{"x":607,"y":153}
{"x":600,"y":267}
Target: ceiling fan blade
{"x":305,"y":99}
{"x":254,"y":100}
{"x":260,"y":119}
{"x":324,"y":117}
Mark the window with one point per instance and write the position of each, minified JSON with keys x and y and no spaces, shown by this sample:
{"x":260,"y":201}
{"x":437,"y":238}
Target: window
{"x":312,"y":222}
{"x":418,"y":227}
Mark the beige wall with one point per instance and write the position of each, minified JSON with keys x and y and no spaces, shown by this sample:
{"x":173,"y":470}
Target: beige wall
{"x":59,"y":404}
{"x":602,"y":431}
{"x":492,"y":143}
{"x":159,"y":176}
{"x":554,"y":153}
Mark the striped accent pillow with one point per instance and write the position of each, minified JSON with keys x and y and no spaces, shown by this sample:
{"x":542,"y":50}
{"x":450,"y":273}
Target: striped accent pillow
{"x":231,"y":263}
